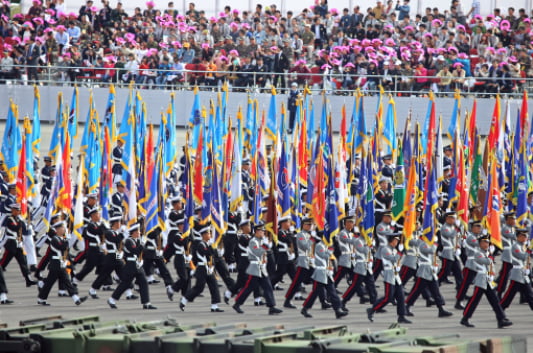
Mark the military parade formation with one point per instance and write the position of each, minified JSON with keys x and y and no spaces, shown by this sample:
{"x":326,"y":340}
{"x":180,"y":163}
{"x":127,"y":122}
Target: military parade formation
{"x":233,"y":212}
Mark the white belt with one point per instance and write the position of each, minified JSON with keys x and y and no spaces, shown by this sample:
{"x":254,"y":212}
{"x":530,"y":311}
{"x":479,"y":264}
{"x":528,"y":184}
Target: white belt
{"x":11,"y":237}
{"x":201,"y":264}
{"x":111,"y":251}
{"x":131,"y":258}
{"x":179,"y":252}
{"x":56,"y":258}
{"x":282,"y":250}
{"x":93,"y":244}
{"x":254,"y":262}
{"x":150,"y":248}
{"x":346,"y":253}
{"x":447,"y":247}
{"x":320,"y":267}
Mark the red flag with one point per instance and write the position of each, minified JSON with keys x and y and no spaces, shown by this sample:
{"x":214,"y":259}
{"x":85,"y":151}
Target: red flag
{"x":523,"y":115}
{"x":319,"y":200}
{"x":462,"y":190}
{"x":472,"y":133}
{"x":65,"y":200}
{"x":493,"y":208}
{"x":302,"y":154}
{"x":494,"y":132}
{"x":22,"y":192}
{"x":149,"y":156}
{"x":198,"y":185}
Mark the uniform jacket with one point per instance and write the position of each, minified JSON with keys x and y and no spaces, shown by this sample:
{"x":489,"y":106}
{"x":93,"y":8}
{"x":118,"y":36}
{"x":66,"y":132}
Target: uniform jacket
{"x":390,"y":260}
{"x":448,"y":238}
{"x":508,"y":239}
{"x":322,"y":255}
{"x":256,"y":253}
{"x":426,"y":260}
{"x":303,"y":244}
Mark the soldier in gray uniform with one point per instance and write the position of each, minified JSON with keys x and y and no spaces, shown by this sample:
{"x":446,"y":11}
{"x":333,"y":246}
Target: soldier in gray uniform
{"x":519,"y":275}
{"x":382,"y":230}
{"x":426,"y":277}
{"x":471,"y":247}
{"x":508,"y":239}
{"x":450,"y":250}
{"x":362,"y":270}
{"x":345,"y":243}
{"x":257,"y":272}
{"x":393,"y":283}
{"x":303,"y":268}
{"x":323,"y":280}
{"x":484,"y":284}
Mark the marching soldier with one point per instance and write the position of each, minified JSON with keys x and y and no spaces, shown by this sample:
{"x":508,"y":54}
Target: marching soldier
{"x":93,"y":234}
{"x":345,"y":243}
{"x":471,"y":246}
{"x":393,"y":284}
{"x":285,"y":251}
{"x":484,"y":284}
{"x":57,"y":267}
{"x":230,"y":241}
{"x":519,"y":275}
{"x":388,"y":168}
{"x":15,"y":227}
{"x":508,"y":239}
{"x":133,"y":270}
{"x":112,"y":260}
{"x":257,"y":272}
{"x":204,"y":274}
{"x":362,"y":270}
{"x":304,"y":244}
{"x":323,"y":280}
{"x":426,"y":279}
{"x":46,"y":188}
{"x":178,"y":246}
{"x":450,"y":250}
{"x":45,"y":171}
{"x":117,"y":200}
{"x":3,"y":290}
{"x":153,"y":257}
{"x":382,"y":230}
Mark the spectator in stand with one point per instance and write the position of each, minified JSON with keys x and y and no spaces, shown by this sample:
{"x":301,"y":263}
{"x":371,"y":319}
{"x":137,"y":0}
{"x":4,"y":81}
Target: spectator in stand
{"x":421,"y":80}
{"x":131,"y":67}
{"x":445,"y":80}
{"x":163,"y":71}
{"x":403,"y":10}
{"x":301,"y":72}
{"x":459,"y":75}
{"x":506,"y":82}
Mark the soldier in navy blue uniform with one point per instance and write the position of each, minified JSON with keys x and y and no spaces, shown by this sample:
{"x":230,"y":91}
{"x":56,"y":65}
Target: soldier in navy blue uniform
{"x":46,"y":189}
{"x":15,"y":228}
{"x":117,"y":200}
{"x":117,"y":160}
{"x":230,"y":240}
{"x":204,"y":273}
{"x":45,"y":171}
{"x":178,"y":246}
{"x":92,"y":234}
{"x":133,"y":270}
{"x":57,"y":267}
{"x":9,"y":199}
{"x":153,"y":257}
{"x":383,"y":199}
{"x":285,"y":251}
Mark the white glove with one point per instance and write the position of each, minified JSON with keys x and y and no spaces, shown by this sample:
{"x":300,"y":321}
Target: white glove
{"x":491,"y":248}
{"x":490,"y":278}
{"x":353,"y":255}
{"x":457,"y":252}
{"x":398,"y":269}
{"x":210,"y":241}
{"x":292,"y":229}
{"x":370,"y":265}
{"x":20,"y":244}
{"x":330,"y":273}
{"x":123,"y":228}
{"x":436,"y":269}
{"x":400,"y":247}
{"x":143,"y":241}
{"x":527,"y":272}
{"x":103,"y":247}
{"x":140,"y":264}
{"x":291,"y":256}
{"x":264,"y":267}
{"x":220,"y":252}
{"x":159,"y":253}
{"x":120,"y":255}
{"x":210,"y":270}
{"x":312,"y":262}
{"x":63,"y":264}
{"x":188,"y":258}
{"x":192,"y":272}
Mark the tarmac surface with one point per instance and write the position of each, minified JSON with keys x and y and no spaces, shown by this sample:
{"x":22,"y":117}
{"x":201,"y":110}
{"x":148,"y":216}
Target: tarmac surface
{"x":425,"y":321}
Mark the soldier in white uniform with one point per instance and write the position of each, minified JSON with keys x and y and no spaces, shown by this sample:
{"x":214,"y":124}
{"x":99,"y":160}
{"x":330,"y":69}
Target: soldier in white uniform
{"x":345,"y":243}
{"x":484,"y":284}
{"x":508,"y":239}
{"x":323,"y":280}
{"x":392,"y":281}
{"x":519,"y":274}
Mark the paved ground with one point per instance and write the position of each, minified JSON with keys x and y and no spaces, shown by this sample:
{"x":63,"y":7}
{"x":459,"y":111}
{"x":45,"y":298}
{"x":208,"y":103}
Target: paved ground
{"x":425,"y":321}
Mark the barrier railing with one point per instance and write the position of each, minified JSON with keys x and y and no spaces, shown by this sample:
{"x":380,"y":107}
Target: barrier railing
{"x":332,"y":82}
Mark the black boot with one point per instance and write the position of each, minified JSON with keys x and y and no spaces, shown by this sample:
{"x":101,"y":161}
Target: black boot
{"x":305,"y":313}
{"x":444,"y":313}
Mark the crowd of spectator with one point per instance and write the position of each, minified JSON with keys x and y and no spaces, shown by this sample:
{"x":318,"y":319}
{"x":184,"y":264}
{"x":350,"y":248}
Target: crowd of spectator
{"x":338,"y":49}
